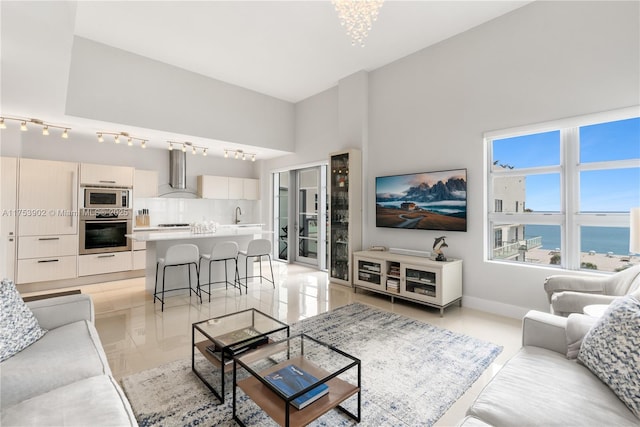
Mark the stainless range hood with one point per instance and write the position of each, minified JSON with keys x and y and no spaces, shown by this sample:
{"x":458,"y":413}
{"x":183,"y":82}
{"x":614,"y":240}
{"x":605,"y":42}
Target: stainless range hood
{"x":178,"y":169}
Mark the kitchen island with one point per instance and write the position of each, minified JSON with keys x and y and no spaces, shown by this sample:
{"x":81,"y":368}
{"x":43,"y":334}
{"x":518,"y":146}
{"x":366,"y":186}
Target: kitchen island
{"x":159,"y":240}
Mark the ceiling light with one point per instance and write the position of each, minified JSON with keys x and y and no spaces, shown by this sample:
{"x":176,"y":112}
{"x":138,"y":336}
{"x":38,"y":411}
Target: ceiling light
{"x":130,"y":142}
{"x":193,"y":150}
{"x":204,"y":152}
{"x":170,"y":146}
{"x":116,"y":139}
{"x":143,"y":144}
{"x":100,"y":137}
{"x":357,"y":16}
{"x":184,"y":148}
{"x":37,"y":122}
{"x":237,"y":154}
{"x":65,"y":134}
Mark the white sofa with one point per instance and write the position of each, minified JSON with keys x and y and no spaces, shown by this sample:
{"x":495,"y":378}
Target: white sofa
{"x":540,"y":386}
{"x":63,"y":379}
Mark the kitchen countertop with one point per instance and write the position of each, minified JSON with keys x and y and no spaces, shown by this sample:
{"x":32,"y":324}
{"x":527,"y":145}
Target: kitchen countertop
{"x":152,"y":234}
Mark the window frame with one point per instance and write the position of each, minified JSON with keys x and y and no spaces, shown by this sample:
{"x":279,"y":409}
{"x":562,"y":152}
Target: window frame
{"x":569,"y":218}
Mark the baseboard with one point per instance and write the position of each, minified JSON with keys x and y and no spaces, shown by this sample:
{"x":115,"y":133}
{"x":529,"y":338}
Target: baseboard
{"x":494,"y":307}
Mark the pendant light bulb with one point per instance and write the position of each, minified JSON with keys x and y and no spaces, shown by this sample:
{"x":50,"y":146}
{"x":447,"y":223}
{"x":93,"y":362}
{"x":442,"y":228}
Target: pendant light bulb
{"x":236,"y":155}
{"x":143,"y":144}
{"x":130,"y":142}
{"x":2,"y":125}
{"x":204,"y":152}
{"x":244,"y":157}
{"x":226,"y":154}
{"x":170,"y":146}
{"x":253,"y":158}
{"x":100,"y":137}
{"x":45,"y":130}
{"x":193,"y":151}
{"x":184,"y":148}
{"x":65,"y":134}
{"x":23,"y":126}
{"x":117,"y":139}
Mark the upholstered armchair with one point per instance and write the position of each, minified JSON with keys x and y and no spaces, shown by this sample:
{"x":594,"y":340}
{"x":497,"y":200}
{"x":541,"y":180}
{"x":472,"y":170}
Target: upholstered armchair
{"x":570,"y":294}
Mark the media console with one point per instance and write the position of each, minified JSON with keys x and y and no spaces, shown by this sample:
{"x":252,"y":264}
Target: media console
{"x":434,"y":283}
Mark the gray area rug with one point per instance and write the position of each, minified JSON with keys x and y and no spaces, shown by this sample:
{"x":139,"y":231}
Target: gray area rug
{"x":412,"y":372}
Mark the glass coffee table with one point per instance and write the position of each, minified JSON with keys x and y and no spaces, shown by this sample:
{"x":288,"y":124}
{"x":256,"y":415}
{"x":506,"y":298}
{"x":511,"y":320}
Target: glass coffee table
{"x":222,"y":338}
{"x":297,"y":380}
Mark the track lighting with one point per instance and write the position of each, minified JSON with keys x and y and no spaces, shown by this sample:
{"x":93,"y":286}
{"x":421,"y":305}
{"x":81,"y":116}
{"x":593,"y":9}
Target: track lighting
{"x":116,"y":138}
{"x":237,"y":154}
{"x":24,"y":122}
{"x":194,"y":148}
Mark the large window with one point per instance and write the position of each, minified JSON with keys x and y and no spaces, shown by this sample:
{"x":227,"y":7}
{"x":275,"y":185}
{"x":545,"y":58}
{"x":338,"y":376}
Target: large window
{"x":560,"y":193}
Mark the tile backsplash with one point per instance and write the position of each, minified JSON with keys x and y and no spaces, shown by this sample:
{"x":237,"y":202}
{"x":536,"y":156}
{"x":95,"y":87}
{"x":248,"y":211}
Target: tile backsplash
{"x":163,"y":210}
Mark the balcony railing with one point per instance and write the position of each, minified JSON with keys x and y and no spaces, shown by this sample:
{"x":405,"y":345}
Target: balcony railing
{"x":511,"y":249}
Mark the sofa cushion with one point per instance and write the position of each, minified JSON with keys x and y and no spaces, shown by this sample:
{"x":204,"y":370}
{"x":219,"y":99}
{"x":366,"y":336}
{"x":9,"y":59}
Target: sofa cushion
{"x":95,"y":401}
{"x":18,"y":326}
{"x":578,"y":325}
{"x":544,"y":388}
{"x":64,"y":355}
{"x":611,"y":350}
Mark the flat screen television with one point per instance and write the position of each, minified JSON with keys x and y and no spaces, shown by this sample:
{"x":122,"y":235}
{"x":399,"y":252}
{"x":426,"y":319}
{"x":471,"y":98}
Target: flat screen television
{"x":425,"y":201}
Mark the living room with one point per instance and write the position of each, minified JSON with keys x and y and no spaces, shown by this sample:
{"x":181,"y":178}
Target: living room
{"x":428,"y":111}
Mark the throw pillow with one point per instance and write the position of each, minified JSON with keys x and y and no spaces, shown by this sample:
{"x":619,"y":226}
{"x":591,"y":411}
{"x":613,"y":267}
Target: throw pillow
{"x":611,"y":350}
{"x":18,"y":326}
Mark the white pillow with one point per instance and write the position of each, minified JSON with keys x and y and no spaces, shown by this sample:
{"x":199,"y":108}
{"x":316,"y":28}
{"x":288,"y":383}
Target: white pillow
{"x":18,"y":326}
{"x":611,"y":350}
{"x":578,"y":325}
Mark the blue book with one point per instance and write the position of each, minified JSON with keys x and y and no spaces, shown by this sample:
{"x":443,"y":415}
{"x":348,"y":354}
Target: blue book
{"x":291,"y":379}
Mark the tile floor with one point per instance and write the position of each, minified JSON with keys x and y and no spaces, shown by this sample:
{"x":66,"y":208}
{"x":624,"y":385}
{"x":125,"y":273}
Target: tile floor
{"x":136,"y":335}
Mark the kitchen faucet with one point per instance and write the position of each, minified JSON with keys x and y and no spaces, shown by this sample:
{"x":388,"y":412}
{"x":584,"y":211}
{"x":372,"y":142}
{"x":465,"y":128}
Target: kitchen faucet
{"x":238,"y":211}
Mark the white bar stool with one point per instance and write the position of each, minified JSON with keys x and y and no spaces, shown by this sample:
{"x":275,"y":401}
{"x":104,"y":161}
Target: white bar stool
{"x":178,"y":255}
{"x":257,"y":248}
{"x":222,"y":252}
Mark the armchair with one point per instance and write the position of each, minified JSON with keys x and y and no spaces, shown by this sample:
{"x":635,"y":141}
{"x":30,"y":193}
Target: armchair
{"x":570,"y":294}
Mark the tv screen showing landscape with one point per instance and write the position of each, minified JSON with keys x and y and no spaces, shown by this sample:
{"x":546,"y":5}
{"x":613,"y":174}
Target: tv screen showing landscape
{"x":424,"y":201}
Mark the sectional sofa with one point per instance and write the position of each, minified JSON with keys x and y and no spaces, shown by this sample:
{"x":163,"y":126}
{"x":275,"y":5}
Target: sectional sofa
{"x":576,"y":371}
{"x":62,"y":379}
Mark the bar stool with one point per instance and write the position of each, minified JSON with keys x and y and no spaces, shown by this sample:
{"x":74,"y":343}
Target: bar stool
{"x":223,"y":251}
{"x":257,"y":248}
{"x":178,"y":255}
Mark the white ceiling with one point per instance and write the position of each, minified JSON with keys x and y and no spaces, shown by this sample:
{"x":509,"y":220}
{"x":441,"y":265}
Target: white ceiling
{"x":286,"y":49}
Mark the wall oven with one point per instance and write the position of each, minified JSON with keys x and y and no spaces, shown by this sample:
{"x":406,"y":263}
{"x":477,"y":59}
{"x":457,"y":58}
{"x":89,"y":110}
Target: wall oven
{"x":103,"y":230}
{"x":95,"y":197}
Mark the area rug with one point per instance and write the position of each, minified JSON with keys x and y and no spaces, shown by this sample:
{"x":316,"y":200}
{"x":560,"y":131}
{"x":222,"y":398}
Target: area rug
{"x":412,"y":372}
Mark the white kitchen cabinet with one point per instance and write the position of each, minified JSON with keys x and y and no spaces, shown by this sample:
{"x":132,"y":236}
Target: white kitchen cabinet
{"x":47,"y":198}
{"x":236,"y":188}
{"x":104,"y":263}
{"x":145,"y":183}
{"x":213,"y":187}
{"x":46,"y":246}
{"x":139,"y":260}
{"x":8,"y":222}
{"x":251,"y":189}
{"x":45,"y":269}
{"x":106,"y":175}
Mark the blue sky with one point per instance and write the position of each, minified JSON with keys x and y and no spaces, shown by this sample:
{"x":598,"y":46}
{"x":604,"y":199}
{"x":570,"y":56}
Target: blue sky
{"x":600,"y":191}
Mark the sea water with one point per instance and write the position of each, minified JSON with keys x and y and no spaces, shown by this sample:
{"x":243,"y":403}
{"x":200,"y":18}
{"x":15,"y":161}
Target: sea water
{"x":599,"y":239}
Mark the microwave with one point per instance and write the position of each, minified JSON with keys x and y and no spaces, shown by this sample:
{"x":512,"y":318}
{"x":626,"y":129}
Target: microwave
{"x":106,"y":198}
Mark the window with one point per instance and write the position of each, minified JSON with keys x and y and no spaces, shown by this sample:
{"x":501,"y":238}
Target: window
{"x":571,"y":185}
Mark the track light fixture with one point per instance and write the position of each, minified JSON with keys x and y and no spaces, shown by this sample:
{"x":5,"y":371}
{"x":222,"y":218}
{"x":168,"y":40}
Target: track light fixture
{"x":25,"y":122}
{"x":117,"y":135}
{"x":186,"y":144}
{"x":239,"y":154}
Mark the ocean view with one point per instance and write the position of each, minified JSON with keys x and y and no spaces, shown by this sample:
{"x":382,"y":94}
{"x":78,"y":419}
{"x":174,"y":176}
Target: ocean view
{"x":599,"y":239}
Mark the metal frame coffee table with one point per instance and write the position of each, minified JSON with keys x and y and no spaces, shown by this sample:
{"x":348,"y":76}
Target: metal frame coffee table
{"x":222,"y":338}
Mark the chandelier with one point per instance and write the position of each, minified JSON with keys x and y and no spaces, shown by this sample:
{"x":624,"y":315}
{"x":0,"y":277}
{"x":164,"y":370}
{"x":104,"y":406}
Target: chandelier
{"x":357,"y":16}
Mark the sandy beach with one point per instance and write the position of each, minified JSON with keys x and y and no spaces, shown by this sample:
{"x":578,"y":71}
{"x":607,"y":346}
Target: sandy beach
{"x":603,"y":262}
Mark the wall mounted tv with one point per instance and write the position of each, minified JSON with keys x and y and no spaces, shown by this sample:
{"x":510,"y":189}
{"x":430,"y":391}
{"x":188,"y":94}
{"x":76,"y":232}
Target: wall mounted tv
{"x":425,"y":201}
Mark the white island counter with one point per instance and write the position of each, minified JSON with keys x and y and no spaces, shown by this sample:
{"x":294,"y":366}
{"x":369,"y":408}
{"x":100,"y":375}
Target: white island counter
{"x":158,"y":241}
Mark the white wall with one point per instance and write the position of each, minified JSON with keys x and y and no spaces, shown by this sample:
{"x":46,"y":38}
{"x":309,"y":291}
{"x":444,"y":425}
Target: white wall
{"x":428,"y":111}
{"x":114,"y":85}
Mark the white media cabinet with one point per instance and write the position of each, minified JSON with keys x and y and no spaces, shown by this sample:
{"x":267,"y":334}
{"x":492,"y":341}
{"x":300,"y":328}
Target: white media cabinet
{"x":423,"y":280}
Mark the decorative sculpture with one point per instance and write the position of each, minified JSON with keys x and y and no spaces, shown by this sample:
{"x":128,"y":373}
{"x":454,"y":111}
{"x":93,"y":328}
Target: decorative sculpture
{"x":438,"y":244}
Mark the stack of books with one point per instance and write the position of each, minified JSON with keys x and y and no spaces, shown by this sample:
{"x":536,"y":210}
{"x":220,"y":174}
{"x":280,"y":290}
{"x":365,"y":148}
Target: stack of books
{"x":393,"y":285}
{"x":292,"y":379}
{"x":394,"y":270}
